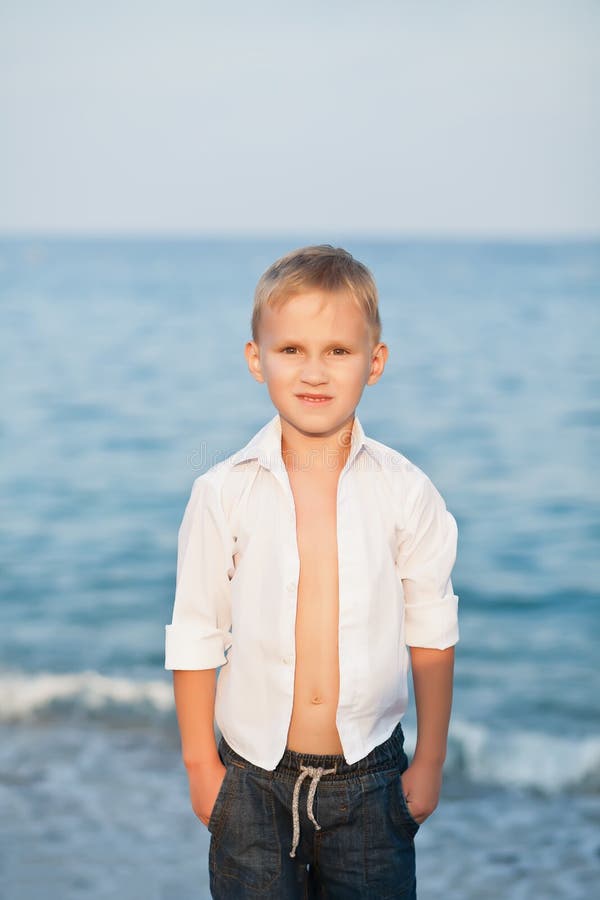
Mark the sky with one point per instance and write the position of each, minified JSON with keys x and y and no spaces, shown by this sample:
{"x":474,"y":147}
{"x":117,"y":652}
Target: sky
{"x":432,"y":117}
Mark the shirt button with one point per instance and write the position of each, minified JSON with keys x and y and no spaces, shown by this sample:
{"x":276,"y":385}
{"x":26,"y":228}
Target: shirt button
{"x":288,"y":660}
{"x":291,"y":587}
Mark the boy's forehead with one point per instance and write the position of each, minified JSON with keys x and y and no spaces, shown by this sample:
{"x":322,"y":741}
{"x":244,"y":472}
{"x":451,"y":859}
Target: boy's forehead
{"x":310,"y":309}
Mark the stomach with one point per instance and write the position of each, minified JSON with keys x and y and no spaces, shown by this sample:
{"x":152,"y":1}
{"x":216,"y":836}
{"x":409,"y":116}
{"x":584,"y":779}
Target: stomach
{"x":313,"y":727}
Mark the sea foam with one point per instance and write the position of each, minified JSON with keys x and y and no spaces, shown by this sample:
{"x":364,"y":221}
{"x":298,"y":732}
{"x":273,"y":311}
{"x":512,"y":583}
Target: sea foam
{"x":522,"y":758}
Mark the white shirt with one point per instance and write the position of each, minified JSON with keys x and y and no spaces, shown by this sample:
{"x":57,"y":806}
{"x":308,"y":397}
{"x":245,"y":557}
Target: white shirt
{"x":237,"y":580}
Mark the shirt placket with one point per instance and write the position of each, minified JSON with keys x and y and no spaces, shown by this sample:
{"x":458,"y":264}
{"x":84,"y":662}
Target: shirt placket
{"x":293,"y":573}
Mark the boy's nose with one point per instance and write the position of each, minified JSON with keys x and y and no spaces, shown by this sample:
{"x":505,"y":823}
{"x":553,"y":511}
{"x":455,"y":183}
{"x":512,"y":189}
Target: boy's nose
{"x":314,"y":373}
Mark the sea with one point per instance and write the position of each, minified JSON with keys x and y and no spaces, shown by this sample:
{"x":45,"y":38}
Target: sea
{"x":123,"y":378}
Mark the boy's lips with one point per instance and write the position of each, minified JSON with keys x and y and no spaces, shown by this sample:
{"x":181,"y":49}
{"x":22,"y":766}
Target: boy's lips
{"x":315,"y":399}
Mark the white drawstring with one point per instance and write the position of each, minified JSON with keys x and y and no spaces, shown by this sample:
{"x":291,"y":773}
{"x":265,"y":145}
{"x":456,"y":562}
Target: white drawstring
{"x":315,"y":774}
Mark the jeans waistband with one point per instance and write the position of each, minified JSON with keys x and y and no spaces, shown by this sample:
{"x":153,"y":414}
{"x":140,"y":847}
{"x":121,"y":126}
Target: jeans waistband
{"x":292,"y":760}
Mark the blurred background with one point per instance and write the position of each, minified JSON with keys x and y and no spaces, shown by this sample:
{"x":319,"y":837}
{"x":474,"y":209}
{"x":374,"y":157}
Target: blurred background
{"x":155,"y":158}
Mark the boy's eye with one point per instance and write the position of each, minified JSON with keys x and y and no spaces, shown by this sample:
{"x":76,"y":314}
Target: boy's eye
{"x":338,"y":351}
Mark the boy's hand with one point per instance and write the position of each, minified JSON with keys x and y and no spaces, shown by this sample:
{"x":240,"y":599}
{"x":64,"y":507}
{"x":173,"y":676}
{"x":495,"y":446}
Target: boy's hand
{"x":205,"y":783}
{"x":422,"y":783}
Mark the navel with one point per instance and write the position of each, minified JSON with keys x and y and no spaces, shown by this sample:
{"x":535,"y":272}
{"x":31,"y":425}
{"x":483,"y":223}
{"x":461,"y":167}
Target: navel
{"x":316,"y":699}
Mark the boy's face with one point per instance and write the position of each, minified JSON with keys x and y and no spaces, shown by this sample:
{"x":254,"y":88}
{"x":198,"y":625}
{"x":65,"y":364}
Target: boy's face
{"x":315,"y":343}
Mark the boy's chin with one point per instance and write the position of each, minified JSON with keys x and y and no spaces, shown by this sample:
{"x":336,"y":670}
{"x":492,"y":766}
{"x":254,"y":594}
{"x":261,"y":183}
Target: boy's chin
{"x":316,"y":422}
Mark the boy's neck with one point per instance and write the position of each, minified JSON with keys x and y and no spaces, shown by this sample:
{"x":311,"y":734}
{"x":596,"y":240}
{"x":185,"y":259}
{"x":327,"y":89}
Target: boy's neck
{"x":304,"y":453}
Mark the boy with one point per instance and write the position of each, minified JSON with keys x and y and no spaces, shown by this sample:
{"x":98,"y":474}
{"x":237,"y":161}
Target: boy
{"x":308,"y":562}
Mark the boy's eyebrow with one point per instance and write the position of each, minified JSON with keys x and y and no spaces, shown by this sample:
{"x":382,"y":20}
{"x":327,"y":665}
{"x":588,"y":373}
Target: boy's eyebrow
{"x":334,"y":342}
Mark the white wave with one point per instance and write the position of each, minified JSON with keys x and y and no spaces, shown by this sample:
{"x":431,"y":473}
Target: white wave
{"x":24,"y":696}
{"x":522,"y":758}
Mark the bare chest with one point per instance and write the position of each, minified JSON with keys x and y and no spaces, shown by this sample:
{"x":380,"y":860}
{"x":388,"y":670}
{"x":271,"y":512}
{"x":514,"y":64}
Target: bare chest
{"x":315,"y":500}
{"x":316,"y":682}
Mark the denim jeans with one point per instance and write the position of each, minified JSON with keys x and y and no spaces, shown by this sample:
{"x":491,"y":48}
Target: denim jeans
{"x":353,"y":836}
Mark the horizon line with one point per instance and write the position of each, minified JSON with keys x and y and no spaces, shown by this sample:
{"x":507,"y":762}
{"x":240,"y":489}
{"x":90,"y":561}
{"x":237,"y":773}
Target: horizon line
{"x":415,"y":235}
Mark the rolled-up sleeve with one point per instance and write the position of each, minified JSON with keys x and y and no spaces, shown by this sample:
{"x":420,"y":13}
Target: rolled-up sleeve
{"x":200,"y":633}
{"x":426,"y":556}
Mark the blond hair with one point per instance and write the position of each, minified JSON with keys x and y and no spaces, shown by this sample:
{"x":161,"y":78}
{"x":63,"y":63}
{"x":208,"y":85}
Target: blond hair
{"x":325,"y":267}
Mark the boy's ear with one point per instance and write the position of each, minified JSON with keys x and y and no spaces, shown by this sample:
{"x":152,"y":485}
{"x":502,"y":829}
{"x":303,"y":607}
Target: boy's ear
{"x":379,"y":357}
{"x":253,"y":359}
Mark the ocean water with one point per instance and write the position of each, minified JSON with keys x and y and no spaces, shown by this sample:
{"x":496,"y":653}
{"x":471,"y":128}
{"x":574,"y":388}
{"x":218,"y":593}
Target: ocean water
{"x":123,"y":378}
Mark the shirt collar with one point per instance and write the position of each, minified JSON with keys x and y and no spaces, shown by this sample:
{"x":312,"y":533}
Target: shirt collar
{"x":266,"y":444}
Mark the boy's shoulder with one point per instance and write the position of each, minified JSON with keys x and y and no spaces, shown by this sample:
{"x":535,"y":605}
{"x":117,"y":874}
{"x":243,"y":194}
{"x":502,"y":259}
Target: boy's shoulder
{"x":392,"y":461}
{"x":387,"y":457}
{"x":409,"y":485}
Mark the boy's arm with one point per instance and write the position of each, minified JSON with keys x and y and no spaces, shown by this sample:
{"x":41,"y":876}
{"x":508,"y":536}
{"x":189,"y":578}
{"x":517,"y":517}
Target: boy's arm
{"x":426,"y":558}
{"x":433,"y":672}
{"x":195,"y":705}
{"x":198,"y":637}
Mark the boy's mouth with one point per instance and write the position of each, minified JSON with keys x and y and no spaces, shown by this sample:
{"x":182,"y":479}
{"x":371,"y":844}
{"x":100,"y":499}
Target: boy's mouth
{"x":315,"y":399}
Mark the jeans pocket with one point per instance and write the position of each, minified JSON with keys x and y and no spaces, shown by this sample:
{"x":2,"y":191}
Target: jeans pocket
{"x":220,"y":800}
{"x":245,"y":850}
{"x":389,"y":849}
{"x":412,"y":821}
